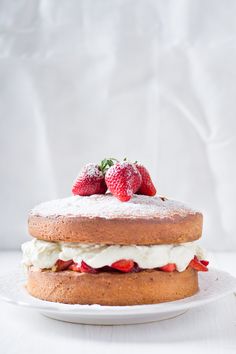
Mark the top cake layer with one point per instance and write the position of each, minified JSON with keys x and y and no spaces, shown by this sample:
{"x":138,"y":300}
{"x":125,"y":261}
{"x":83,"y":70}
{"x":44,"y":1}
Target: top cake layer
{"x":103,"y":219}
{"x":108,"y":207}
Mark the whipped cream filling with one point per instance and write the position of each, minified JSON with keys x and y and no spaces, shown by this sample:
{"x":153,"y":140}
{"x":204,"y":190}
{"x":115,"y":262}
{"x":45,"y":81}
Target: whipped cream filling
{"x":43,"y":254}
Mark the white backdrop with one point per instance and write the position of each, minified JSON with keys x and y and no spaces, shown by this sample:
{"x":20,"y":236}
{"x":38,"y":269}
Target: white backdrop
{"x":151,"y":80}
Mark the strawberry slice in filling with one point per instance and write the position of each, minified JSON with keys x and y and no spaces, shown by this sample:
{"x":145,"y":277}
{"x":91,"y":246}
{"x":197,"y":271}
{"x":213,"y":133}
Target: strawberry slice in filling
{"x":85,"y":268}
{"x":75,"y":267}
{"x":199,"y":265}
{"x":125,"y":266}
{"x":62,"y":265}
{"x":170,"y":267}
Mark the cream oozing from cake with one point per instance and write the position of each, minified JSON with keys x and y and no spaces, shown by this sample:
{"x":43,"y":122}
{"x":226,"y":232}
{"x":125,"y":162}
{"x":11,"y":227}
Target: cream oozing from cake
{"x":43,"y":254}
{"x":108,"y":206}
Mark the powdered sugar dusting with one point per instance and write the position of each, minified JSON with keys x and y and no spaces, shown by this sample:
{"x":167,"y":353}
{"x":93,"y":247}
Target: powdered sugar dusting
{"x":91,"y":170}
{"x":107,"y":206}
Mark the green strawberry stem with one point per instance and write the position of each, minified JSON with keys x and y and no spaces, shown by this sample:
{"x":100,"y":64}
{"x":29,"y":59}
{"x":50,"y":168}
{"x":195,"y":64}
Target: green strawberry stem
{"x":107,"y":163}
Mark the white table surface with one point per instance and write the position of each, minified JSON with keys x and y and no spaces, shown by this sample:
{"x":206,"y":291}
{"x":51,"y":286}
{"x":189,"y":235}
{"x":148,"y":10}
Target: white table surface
{"x":201,"y":330}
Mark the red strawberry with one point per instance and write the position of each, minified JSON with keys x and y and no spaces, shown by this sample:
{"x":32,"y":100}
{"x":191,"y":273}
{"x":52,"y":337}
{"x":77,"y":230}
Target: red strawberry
{"x":90,"y":181}
{"x":123,"y":180}
{"x":147,"y":187}
{"x":124,"y":265}
{"x":205,"y":263}
{"x":62,"y":265}
{"x":170,"y":267}
{"x":75,"y":267}
{"x":197,"y":265}
{"x":85,"y":268}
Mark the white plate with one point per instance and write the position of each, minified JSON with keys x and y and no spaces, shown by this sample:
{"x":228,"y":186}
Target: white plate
{"x":213,"y":285}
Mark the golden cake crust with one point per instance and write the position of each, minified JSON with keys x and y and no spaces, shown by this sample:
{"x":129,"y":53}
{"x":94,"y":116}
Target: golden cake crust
{"x":123,"y":231}
{"x":103,"y":219}
{"x":106,"y":288}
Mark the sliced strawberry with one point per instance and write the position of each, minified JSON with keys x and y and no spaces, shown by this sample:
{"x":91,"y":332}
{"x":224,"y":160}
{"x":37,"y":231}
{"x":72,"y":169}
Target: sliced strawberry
{"x":85,"y":268}
{"x":197,"y":265}
{"x":147,"y":187}
{"x":170,"y":267}
{"x":62,"y":265}
{"x":124,"y":265}
{"x":136,"y":268}
{"x":75,"y":267}
{"x":90,"y":181}
{"x":204,"y":262}
{"x":123,"y":180}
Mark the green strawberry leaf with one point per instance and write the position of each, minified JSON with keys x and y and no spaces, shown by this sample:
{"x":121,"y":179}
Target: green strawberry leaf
{"x":107,"y":163}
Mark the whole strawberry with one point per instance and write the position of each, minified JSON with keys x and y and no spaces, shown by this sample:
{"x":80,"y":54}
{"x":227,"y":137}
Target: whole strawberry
{"x":147,"y":187}
{"x":90,"y":181}
{"x":123,"y":180}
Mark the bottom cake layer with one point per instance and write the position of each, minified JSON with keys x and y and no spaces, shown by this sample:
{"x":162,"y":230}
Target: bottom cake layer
{"x":145,"y":287}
